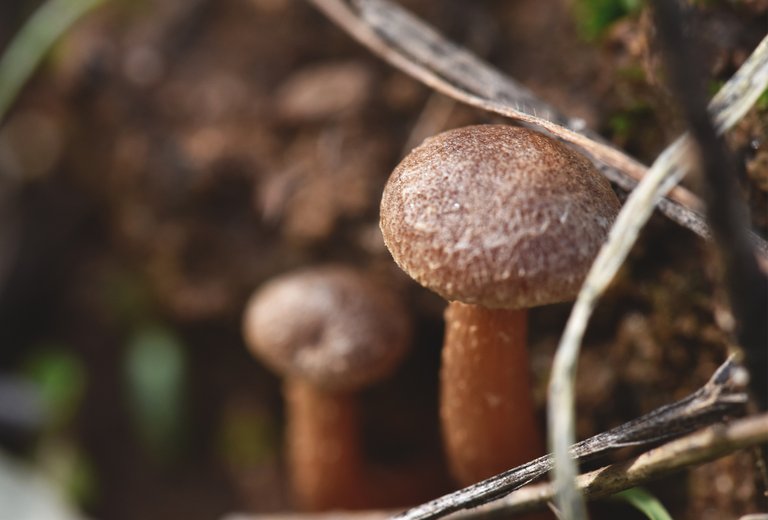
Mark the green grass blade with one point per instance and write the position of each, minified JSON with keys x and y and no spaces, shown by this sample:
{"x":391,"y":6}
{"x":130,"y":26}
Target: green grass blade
{"x":33,"y":41}
{"x":644,"y":502}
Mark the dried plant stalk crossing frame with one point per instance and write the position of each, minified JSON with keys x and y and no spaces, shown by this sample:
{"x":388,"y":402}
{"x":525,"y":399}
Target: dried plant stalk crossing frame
{"x":728,"y":106}
{"x":693,"y":449}
{"x":697,"y":448}
{"x":722,"y":396}
{"x":418,"y":50}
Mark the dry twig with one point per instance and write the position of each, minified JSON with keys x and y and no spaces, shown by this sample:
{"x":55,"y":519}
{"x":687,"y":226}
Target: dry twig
{"x":691,"y":450}
{"x":723,"y":396}
{"x":746,"y":285}
{"x":418,"y":50}
{"x":666,"y":171}
{"x":694,"y":449}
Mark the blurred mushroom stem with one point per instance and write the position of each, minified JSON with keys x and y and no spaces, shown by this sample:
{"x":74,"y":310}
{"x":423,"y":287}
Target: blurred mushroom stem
{"x":324,"y":444}
{"x":486,"y":407}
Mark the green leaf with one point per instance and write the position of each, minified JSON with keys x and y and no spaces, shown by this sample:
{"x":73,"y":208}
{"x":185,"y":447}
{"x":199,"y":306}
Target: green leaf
{"x":762,"y":101}
{"x":644,"y":502}
{"x":156,"y":372}
{"x":61,"y":379}
{"x":593,"y":17}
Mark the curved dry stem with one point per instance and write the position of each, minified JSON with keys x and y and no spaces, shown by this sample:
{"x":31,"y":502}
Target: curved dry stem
{"x":665,"y":173}
{"x":561,"y":414}
{"x":418,"y":50}
{"x":694,"y":449}
{"x":697,"y":448}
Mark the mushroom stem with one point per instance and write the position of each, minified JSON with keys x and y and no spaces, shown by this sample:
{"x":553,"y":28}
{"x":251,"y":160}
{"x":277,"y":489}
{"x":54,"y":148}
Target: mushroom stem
{"x":324,"y":446}
{"x":486,"y":407}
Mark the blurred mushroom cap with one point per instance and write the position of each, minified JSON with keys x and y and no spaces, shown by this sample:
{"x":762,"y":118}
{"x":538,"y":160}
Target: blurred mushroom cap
{"x":331,"y":326}
{"x":496,"y":215}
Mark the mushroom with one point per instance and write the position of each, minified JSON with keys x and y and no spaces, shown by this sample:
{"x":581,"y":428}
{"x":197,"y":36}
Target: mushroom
{"x":330,"y":331}
{"x":495,"y":219}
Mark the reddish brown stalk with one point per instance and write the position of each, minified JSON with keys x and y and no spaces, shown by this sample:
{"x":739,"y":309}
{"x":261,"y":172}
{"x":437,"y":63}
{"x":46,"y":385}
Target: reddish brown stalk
{"x":324,"y":447}
{"x":489,"y":423}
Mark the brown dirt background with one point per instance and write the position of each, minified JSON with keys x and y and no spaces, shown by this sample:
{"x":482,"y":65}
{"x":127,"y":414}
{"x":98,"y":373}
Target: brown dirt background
{"x":183,"y":152}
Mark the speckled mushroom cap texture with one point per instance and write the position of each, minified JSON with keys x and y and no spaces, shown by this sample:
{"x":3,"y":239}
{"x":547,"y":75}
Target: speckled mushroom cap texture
{"x":496,"y":215}
{"x":330,"y":326}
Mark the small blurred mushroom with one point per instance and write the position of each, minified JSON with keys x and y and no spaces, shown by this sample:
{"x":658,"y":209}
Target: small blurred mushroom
{"x":330,"y":331}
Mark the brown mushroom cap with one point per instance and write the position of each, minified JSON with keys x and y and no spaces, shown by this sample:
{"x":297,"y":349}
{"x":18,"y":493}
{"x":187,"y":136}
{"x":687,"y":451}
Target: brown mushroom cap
{"x":330,"y":326}
{"x":496,"y":215}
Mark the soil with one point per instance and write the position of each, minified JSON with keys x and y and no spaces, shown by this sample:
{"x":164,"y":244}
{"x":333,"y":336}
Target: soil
{"x":171,"y":156}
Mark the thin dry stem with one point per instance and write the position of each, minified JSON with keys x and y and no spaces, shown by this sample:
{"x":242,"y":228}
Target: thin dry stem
{"x":418,"y":50}
{"x":694,"y":449}
{"x":723,"y":396}
{"x":668,"y":169}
